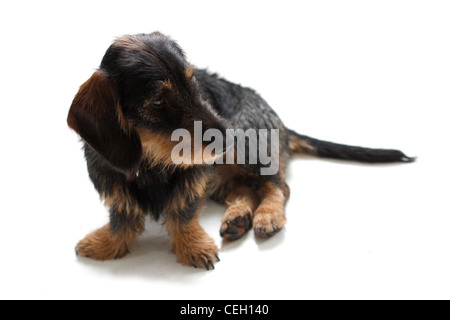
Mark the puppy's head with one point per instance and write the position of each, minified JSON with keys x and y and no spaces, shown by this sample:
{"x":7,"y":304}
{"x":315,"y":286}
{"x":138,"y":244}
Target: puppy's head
{"x":143,"y":91}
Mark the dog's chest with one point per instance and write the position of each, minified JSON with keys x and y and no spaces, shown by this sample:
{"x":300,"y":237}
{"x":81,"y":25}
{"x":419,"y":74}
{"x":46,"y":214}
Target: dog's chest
{"x":160,"y":190}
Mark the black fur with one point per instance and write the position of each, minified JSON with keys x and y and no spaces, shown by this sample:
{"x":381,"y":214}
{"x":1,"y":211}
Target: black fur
{"x":333,"y":150}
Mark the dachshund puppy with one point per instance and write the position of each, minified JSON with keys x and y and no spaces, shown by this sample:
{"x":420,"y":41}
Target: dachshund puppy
{"x":126,"y":114}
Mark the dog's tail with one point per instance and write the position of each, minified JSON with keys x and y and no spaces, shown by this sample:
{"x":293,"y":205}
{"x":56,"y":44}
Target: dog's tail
{"x":302,"y":144}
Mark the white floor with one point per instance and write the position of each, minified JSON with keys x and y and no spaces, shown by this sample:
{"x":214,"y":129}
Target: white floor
{"x":366,"y":74}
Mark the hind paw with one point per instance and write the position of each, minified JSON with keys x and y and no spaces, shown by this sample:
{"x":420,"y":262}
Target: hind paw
{"x":234,"y":228}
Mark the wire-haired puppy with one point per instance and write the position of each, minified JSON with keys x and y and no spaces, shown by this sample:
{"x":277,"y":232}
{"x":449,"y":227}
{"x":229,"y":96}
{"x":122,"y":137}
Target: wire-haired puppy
{"x":127,"y":112}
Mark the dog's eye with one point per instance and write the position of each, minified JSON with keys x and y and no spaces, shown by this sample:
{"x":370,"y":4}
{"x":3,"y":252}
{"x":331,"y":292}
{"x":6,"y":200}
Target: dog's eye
{"x":158,"y":104}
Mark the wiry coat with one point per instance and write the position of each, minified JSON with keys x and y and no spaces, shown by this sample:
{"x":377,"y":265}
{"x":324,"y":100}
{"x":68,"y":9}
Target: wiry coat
{"x":126,"y":113}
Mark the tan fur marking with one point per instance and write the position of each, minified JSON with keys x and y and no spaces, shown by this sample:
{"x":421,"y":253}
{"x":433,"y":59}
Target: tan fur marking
{"x":272,"y":197}
{"x":167,"y":85}
{"x":300,"y":146}
{"x":120,"y":200}
{"x":157,"y":150}
{"x":242,"y":199}
{"x":194,"y":189}
{"x":191,"y":243}
{"x":189,"y":72}
{"x":270,"y":215}
{"x":217,"y":185}
{"x":103,"y":244}
{"x":122,"y":120}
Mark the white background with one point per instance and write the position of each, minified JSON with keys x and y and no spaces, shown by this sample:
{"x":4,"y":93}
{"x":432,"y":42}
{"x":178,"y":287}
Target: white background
{"x":372,"y":73}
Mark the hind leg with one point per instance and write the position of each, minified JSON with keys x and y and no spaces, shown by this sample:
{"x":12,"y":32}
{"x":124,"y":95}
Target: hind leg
{"x":242,"y":202}
{"x":270,"y":217}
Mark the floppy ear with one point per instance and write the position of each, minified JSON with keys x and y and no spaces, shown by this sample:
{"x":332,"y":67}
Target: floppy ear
{"x":97,"y":117}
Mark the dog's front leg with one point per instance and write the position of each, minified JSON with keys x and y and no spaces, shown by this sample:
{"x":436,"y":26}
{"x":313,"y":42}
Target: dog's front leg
{"x":127,"y":222}
{"x":192,"y":245}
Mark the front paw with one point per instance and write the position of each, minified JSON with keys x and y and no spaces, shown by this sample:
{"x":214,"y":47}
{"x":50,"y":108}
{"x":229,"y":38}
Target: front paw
{"x":101,"y":245}
{"x":201,"y":253}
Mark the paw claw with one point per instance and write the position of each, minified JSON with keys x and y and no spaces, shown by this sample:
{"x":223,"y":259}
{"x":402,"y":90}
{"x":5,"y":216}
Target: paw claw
{"x":199,"y":255}
{"x":267,"y":225}
{"x":206,"y":264}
